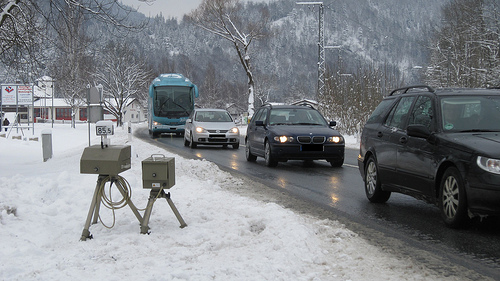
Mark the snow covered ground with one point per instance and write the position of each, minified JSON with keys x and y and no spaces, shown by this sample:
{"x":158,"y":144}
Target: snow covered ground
{"x":44,"y":207}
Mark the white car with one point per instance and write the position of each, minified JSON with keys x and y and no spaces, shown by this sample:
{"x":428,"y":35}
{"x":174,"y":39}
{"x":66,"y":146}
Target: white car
{"x":211,"y":127}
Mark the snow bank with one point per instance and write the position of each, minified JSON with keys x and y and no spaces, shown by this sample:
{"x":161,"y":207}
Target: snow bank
{"x":44,"y":206}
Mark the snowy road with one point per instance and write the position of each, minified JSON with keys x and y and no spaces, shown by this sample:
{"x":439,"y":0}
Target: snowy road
{"x":338,"y":194}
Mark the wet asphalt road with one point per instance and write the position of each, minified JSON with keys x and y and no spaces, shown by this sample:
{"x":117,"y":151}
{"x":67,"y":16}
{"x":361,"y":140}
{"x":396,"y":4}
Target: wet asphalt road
{"x":410,"y":226}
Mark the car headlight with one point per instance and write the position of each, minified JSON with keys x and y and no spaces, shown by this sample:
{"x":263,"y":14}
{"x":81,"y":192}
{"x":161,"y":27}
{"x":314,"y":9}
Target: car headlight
{"x":283,"y":139}
{"x":156,"y":123}
{"x":335,"y":139}
{"x":234,"y":130}
{"x":489,"y":164}
{"x":200,"y":130}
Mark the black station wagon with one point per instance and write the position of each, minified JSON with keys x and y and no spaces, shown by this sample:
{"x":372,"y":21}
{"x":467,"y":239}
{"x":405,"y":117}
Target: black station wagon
{"x":441,"y":145}
{"x":293,"y":132}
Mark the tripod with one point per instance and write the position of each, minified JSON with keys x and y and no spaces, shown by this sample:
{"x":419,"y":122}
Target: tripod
{"x":97,"y":198}
{"x":153,"y":195}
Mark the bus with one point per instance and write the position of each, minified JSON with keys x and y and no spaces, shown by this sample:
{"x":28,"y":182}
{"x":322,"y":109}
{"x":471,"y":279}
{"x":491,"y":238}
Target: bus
{"x":170,"y":101}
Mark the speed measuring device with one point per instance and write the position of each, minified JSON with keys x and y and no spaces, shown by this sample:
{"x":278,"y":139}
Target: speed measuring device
{"x":104,"y":128}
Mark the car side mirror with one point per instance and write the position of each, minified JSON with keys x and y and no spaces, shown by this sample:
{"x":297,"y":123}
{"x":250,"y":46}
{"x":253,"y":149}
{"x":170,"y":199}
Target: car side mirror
{"x":189,"y":121}
{"x":259,"y":123}
{"x":333,"y":123}
{"x":421,"y":131}
{"x":418,"y":130}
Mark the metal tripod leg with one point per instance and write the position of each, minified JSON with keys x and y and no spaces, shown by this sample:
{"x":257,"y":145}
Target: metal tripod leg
{"x":147,"y":213}
{"x":94,"y":209}
{"x":174,"y":209}
{"x":129,"y":202}
{"x":152,"y":198}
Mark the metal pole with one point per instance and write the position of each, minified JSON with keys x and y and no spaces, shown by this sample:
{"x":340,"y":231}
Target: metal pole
{"x":88,"y":110}
{"x":321,"y":48}
{"x":32,"y":107}
{"x":321,"y":53}
{"x":52,"y":113}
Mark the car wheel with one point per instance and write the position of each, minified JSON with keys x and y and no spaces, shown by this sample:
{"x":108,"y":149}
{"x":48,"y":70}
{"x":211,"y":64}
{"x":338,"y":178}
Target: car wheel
{"x":337,"y":163}
{"x":192,"y":144}
{"x":452,"y":198}
{"x":270,"y":161}
{"x":186,"y":142}
{"x":248,"y":153}
{"x":373,"y":188}
{"x":236,"y":146}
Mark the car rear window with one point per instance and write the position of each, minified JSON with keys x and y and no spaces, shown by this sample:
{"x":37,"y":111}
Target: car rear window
{"x":380,"y":111}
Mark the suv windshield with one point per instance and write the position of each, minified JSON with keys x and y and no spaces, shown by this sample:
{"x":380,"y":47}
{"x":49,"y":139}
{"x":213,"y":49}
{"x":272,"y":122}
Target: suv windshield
{"x":470,"y":113}
{"x":294,"y":116}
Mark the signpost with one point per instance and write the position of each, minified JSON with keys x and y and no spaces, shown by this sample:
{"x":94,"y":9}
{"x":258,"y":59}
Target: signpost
{"x":18,"y":95}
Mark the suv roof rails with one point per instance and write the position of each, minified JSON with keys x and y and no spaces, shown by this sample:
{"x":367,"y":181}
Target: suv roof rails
{"x":406,"y":89}
{"x":267,"y":104}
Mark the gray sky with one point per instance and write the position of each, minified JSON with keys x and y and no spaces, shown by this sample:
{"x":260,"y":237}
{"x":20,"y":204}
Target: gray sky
{"x":169,"y":8}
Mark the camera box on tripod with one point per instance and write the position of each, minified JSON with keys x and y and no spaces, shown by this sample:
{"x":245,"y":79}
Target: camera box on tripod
{"x":111,"y":160}
{"x":158,"y":172}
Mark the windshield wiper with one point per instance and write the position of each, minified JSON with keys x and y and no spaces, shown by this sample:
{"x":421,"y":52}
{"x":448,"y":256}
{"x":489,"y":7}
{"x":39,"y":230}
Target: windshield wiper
{"x":169,"y":99}
{"x":185,"y":110}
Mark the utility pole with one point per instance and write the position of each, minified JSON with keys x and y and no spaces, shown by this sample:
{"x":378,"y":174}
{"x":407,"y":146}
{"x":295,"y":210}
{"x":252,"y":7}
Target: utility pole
{"x":321,"y":48}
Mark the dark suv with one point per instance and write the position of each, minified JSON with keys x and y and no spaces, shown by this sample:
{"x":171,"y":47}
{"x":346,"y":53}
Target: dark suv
{"x":293,"y":132}
{"x":442,"y":146}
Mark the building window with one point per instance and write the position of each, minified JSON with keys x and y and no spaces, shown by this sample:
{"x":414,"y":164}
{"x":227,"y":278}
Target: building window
{"x":63,"y":113}
{"x":83,"y":114}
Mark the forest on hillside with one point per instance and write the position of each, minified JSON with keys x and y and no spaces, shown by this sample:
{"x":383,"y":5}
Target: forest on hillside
{"x":376,"y":46}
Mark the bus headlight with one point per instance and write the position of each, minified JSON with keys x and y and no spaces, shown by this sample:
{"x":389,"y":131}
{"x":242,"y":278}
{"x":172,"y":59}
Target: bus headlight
{"x":283,"y":139}
{"x":200,"y":130}
{"x":336,"y":139}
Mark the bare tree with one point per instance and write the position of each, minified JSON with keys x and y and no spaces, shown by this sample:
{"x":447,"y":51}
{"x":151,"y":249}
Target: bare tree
{"x":19,"y":38}
{"x":212,"y":88}
{"x":24,"y":25}
{"x":73,"y":64}
{"x":352,"y":94}
{"x":123,"y":77}
{"x":465,"y":51}
{"x":222,"y":18}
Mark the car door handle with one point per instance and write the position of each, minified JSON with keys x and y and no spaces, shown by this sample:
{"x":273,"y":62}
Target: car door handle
{"x":403,"y":139}
{"x":380,"y":134}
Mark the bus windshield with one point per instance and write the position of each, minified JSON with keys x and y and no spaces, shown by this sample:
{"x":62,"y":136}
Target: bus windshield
{"x":172,"y":101}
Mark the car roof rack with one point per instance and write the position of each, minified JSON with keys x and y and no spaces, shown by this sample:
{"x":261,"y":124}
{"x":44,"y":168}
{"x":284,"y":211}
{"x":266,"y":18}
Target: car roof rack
{"x":404,"y":90}
{"x":305,"y":104}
